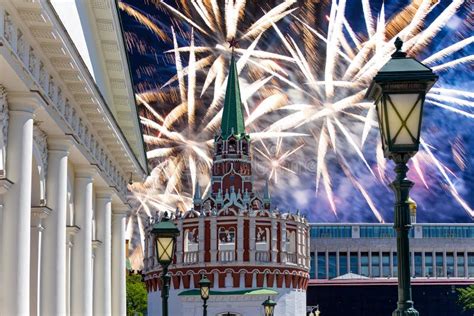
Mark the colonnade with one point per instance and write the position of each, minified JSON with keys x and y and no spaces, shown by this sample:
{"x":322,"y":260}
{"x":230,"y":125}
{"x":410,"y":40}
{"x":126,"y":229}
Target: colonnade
{"x":47,"y":262}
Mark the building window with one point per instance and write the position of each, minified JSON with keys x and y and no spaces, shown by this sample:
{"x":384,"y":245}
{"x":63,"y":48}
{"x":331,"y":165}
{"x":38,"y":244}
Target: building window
{"x":439,"y":264}
{"x":429,"y":264}
{"x":418,"y":265}
{"x":377,"y":232}
{"x":375,"y":273}
{"x":385,"y":264}
{"x":331,"y":232}
{"x":460,"y":259}
{"x":332,"y":265}
{"x":448,"y":232}
{"x":470,"y":264}
{"x":364,"y":263}
{"x":322,"y":265}
{"x":354,"y":263}
{"x":342,"y":263}
{"x":450,"y":264}
{"x":312,"y":267}
{"x":395,"y":264}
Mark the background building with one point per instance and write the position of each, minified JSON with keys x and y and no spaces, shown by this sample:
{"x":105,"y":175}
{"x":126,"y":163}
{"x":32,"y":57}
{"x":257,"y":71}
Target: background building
{"x":70,"y":141}
{"x":354,"y":267}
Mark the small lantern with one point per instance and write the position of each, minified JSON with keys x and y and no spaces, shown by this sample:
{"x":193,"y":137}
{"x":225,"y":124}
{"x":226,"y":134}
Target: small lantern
{"x":399,"y":90}
{"x":204,"y":285}
{"x":165,"y":233}
{"x":269,"y":306}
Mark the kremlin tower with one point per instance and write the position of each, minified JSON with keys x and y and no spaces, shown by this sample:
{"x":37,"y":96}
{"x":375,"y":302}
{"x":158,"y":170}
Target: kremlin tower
{"x":247,"y":250}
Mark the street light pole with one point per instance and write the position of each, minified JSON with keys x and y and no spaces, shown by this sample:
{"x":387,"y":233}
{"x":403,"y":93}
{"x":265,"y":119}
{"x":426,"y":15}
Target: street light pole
{"x":165,"y":233}
{"x":165,"y":291}
{"x":399,"y":90}
{"x":402,"y":224}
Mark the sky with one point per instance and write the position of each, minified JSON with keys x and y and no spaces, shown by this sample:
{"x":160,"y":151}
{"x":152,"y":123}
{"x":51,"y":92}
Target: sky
{"x":303,"y":76}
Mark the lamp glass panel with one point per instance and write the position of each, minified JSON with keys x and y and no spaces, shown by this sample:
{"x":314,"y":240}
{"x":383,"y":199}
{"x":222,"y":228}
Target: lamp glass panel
{"x":204,"y":292}
{"x":164,"y":246}
{"x":403,"y":114}
{"x":268,"y":310}
{"x":381,"y":118}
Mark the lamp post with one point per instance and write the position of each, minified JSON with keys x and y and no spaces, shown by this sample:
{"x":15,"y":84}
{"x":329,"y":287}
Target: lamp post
{"x":165,"y":233}
{"x":269,"y":306}
{"x":204,"y":285}
{"x":399,"y":90}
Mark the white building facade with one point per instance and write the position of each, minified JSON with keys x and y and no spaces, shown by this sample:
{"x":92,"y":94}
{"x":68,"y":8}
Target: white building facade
{"x":70,"y":141}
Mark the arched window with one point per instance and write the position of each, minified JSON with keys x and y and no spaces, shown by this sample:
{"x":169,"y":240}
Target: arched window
{"x":231,"y":235}
{"x":291,"y":242}
{"x":232,"y":146}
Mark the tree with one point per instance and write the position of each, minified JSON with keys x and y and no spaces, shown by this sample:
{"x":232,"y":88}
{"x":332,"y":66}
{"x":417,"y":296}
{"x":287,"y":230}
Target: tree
{"x":136,"y":296}
{"x":466,"y":297}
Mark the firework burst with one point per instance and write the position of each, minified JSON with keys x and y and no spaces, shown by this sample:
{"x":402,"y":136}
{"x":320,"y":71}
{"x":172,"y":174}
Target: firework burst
{"x":304,"y":71}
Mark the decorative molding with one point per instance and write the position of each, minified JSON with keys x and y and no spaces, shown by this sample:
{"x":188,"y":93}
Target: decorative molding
{"x":40,"y":139}
{"x":5,"y":185}
{"x":96,"y":243}
{"x":40,"y":212}
{"x":72,"y":229}
{"x":4,"y":117}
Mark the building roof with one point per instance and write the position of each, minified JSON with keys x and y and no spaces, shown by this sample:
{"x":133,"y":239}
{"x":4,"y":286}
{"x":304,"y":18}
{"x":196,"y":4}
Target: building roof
{"x":350,"y":276}
{"x":260,"y":291}
{"x":232,"y":117}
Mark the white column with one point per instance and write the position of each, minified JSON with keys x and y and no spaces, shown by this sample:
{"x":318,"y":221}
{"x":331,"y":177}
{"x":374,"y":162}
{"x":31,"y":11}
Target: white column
{"x":53,"y":261}
{"x":81,"y":273}
{"x":38,"y":215}
{"x":15,"y":233}
{"x":102,"y":263}
{"x":118,"y":261}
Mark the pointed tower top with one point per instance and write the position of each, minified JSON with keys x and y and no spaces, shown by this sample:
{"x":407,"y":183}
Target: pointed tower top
{"x":197,"y":192}
{"x":266,"y":191}
{"x":232,"y":116}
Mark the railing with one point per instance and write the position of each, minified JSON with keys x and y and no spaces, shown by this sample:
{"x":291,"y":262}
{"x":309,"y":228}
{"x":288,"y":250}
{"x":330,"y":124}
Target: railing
{"x":291,"y":258}
{"x":262,"y":256}
{"x":190,"y":257}
{"x":226,"y":255}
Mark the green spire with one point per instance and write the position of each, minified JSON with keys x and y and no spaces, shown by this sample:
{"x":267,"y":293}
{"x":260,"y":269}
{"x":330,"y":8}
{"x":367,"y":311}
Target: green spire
{"x":232,"y":117}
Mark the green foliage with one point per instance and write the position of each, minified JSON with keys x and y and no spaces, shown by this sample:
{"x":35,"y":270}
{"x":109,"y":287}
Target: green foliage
{"x":466,"y":297}
{"x":136,"y":296}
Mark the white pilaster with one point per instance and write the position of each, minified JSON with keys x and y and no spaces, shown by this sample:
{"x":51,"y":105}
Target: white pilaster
{"x":118,"y":260}
{"x":252,"y":239}
{"x":201,"y":238}
{"x":36,"y":253}
{"x":53,"y":261}
{"x":274,"y":247}
{"x":70,"y":231}
{"x":81,"y":285}
{"x":213,"y":239}
{"x":179,"y":243}
{"x":103,"y":263}
{"x":240,"y":238}
{"x":15,"y":230}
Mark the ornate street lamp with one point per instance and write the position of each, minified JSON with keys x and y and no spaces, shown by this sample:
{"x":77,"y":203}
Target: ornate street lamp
{"x":269,"y":306}
{"x":165,"y":233}
{"x":399,"y":90}
{"x":204,"y":285}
